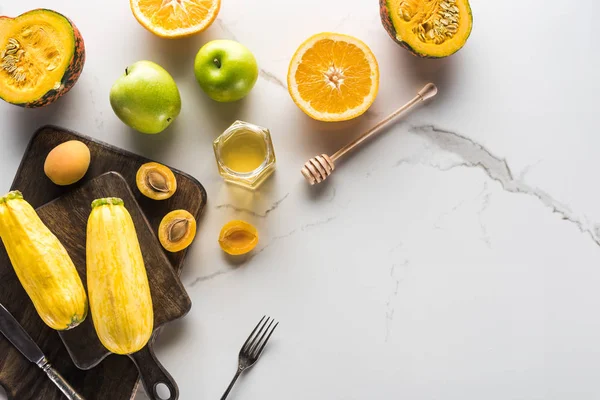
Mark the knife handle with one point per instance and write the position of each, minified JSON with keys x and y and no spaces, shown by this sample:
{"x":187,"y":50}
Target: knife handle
{"x":60,"y":382}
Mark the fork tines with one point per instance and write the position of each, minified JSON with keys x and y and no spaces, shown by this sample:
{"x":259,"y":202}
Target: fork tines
{"x":252,"y":348}
{"x":259,"y":337}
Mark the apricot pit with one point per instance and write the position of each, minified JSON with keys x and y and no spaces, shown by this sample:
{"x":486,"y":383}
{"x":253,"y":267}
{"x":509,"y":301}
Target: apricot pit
{"x":177,"y":230}
{"x":156,"y":181}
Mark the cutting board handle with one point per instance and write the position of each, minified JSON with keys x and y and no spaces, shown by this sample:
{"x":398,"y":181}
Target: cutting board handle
{"x":153,"y":374}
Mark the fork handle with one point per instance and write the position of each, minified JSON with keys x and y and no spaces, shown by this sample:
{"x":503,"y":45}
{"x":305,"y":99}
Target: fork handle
{"x":235,"y":378}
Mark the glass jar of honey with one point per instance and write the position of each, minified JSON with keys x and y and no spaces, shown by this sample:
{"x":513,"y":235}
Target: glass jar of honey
{"x":245,"y":154}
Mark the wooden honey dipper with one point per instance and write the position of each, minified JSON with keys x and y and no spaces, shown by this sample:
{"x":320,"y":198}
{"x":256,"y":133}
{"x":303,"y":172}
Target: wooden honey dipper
{"x":318,"y":168}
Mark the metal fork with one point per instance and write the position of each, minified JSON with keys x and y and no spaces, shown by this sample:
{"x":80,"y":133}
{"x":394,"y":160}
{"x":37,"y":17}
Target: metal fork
{"x":253,"y":348}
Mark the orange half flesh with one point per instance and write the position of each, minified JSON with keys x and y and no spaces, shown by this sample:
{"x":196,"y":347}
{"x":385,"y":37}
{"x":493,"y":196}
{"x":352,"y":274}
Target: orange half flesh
{"x":333,"y":77}
{"x":175,"y":18}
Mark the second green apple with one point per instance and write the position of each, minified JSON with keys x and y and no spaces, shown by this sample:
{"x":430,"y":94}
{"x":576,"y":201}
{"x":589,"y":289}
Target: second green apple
{"x":226,"y":70}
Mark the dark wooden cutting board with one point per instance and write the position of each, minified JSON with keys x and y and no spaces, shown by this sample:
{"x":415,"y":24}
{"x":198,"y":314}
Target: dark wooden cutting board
{"x":116,"y":377}
{"x":67,"y":218}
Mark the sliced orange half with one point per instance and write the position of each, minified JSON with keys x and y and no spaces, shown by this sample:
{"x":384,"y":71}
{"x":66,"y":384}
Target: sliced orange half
{"x":175,"y":18}
{"x":333,"y":77}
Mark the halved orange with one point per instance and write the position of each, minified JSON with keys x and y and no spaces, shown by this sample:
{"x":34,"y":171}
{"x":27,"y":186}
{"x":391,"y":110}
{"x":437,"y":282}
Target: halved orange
{"x":175,"y":18}
{"x":333,"y":77}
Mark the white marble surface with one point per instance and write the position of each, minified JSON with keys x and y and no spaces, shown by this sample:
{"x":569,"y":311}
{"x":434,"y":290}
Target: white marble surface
{"x":456,"y":257}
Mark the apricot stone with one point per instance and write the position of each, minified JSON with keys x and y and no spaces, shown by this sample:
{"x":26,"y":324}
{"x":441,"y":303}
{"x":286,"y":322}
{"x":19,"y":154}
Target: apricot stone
{"x":177,"y":230}
{"x":156,"y":181}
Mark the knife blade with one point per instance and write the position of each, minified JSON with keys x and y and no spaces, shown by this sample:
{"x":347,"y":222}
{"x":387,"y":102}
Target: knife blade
{"x":14,"y":332}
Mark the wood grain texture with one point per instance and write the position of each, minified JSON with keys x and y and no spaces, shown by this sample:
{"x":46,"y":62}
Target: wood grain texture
{"x":116,"y":377}
{"x":67,"y":218}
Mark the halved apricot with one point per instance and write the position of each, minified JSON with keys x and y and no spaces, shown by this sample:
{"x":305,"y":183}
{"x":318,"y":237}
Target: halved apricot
{"x":156,"y":181}
{"x":177,"y":230}
{"x":238,"y":237}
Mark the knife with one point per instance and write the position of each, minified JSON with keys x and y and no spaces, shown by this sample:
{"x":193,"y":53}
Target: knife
{"x":15,"y":334}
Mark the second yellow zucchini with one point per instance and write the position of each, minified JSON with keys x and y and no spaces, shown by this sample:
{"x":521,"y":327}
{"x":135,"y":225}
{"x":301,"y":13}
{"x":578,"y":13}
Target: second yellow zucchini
{"x":119,"y":292}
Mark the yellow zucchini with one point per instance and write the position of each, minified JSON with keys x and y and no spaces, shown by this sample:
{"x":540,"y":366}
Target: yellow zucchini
{"x":120,"y":299}
{"x":42,"y":264}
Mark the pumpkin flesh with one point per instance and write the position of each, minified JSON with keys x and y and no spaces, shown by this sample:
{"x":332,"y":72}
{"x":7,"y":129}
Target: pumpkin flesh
{"x":36,"y":53}
{"x":428,"y":28}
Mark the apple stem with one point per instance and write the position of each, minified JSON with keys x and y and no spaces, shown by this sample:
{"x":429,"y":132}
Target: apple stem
{"x":217,"y":63}
{"x":126,"y":71}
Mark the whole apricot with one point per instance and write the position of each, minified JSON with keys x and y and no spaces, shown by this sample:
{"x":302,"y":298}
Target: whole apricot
{"x":67,"y":163}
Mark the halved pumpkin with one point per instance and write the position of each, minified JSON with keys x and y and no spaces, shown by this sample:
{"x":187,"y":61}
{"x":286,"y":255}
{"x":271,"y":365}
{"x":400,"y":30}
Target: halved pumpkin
{"x":428,"y":28}
{"x":41,"y":57}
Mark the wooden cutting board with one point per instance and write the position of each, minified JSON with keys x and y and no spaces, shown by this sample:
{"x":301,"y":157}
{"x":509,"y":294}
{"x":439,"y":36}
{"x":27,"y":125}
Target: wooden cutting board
{"x":116,"y":377}
{"x":67,"y":218}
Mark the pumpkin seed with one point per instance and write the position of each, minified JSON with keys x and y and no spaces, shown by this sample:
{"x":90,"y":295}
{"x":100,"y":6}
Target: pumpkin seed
{"x":11,"y":55}
{"x":405,"y":9}
{"x":12,"y":44}
{"x":444,"y":14}
{"x":157,"y":182}
{"x":178,"y":229}
{"x":19,"y":75}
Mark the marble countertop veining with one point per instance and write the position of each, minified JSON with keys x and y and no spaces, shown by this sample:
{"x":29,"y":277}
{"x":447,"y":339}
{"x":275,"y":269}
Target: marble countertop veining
{"x":457,"y":256}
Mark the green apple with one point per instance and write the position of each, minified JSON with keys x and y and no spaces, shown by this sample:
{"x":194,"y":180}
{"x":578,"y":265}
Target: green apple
{"x":226,"y":70}
{"x":146,"y":97}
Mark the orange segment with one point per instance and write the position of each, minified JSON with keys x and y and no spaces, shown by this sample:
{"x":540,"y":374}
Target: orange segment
{"x":175,"y":18}
{"x":333,"y":77}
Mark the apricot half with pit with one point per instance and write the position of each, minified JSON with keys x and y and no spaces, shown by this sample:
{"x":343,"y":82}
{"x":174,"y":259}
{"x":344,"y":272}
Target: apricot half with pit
{"x":156,"y":181}
{"x":67,"y":163}
{"x":177,"y":230}
{"x":238,"y":237}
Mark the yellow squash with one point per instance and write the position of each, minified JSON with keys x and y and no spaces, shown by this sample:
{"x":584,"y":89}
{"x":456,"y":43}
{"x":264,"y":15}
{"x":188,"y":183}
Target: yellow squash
{"x":120,"y":299}
{"x":42,"y":264}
